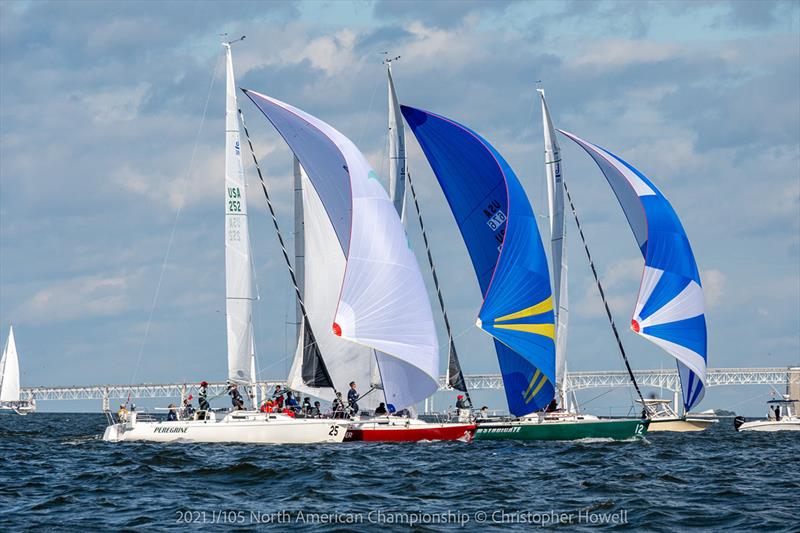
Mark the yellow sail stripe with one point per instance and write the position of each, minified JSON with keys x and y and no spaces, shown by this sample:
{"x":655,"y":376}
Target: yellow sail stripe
{"x":546,"y":330}
{"x":533,"y":380}
{"x":538,"y":309}
{"x":537,"y":389}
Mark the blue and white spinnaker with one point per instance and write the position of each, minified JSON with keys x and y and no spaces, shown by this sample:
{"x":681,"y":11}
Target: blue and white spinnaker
{"x":669,"y":308}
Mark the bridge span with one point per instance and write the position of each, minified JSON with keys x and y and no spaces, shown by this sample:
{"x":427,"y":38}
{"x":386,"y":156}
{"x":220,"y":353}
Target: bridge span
{"x":664,"y":379}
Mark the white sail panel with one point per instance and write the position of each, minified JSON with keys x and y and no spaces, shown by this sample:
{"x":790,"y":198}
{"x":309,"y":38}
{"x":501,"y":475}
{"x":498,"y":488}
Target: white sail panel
{"x":9,"y":370}
{"x":238,"y":271}
{"x":324,"y":270}
{"x":383,"y":302}
{"x":558,"y":246}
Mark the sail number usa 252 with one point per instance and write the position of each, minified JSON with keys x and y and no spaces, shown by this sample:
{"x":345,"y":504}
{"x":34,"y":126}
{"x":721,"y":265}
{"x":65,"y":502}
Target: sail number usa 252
{"x":234,"y":200}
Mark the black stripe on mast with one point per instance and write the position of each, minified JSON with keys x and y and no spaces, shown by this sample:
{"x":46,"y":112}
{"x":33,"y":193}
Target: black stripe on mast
{"x":314,"y":372}
{"x":603,"y":296}
{"x":455,"y":375}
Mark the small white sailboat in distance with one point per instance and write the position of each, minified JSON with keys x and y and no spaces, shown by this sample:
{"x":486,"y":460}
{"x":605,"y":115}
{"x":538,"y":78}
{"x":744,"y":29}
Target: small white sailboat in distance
{"x":9,"y":380}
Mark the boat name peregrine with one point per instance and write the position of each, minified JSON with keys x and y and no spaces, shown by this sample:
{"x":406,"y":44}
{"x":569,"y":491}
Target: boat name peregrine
{"x":169,"y":430}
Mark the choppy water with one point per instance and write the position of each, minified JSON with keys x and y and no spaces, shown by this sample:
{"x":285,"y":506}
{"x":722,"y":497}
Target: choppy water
{"x":56,"y":473}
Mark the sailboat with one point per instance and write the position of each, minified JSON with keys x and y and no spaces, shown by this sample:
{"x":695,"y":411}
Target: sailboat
{"x":376,"y":325}
{"x":669,"y":308}
{"x":499,"y":229}
{"x":239,"y":425}
{"x":9,"y":380}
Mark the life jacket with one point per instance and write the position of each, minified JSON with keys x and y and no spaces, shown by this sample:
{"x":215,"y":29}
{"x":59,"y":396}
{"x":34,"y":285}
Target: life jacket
{"x":289,"y":412}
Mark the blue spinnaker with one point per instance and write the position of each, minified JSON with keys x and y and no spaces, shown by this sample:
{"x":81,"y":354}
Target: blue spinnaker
{"x":669,"y":308}
{"x":499,"y":228}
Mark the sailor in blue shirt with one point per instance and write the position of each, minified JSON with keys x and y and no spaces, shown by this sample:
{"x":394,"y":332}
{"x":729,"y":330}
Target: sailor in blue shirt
{"x":352,"y":397}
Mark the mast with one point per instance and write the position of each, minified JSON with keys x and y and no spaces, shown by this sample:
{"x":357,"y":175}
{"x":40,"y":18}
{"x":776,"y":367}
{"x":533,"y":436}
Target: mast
{"x":238,"y":269}
{"x":558,"y":247}
{"x":299,"y":244}
{"x":397,"y":148}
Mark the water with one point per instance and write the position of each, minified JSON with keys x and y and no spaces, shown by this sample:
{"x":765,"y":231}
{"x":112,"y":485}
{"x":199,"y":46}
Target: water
{"x":55,"y":473}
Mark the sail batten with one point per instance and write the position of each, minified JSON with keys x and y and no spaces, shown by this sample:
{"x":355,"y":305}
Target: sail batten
{"x":669,"y":308}
{"x":499,"y":229}
{"x":238,"y":265}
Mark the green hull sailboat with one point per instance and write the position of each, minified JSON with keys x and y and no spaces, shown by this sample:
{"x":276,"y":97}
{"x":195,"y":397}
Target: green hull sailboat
{"x":572,"y":428}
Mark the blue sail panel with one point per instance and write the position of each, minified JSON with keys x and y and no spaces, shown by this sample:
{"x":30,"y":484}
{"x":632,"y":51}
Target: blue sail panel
{"x":499,"y":229}
{"x":669,"y":308}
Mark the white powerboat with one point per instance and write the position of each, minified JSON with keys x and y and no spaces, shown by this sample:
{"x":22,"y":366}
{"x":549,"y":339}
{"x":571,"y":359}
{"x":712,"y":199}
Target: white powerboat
{"x":782,"y":416}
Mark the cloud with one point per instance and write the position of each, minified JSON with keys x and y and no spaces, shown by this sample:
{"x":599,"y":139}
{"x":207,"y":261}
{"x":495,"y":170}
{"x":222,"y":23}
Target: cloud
{"x":78,"y":298}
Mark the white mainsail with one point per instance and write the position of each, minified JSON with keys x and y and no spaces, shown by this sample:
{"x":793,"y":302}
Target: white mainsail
{"x":558,"y":246}
{"x":9,"y":370}
{"x":397,"y":151}
{"x":238,"y":267}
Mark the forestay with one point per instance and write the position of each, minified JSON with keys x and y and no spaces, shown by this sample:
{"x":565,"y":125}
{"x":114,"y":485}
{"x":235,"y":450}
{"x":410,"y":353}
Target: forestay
{"x":499,"y":228}
{"x":383,"y":303}
{"x":669,"y":307}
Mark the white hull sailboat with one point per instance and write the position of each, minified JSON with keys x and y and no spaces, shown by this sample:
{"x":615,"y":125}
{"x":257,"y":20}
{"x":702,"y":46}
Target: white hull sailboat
{"x":251,"y":427}
{"x":664,"y":418}
{"x":9,"y":380}
{"x":235,"y":426}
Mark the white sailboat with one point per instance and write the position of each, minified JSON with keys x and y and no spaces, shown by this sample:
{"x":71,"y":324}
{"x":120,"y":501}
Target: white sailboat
{"x":234,"y":426}
{"x":9,"y":380}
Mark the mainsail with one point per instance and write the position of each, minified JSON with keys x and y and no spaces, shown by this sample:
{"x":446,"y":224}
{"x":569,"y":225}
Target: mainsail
{"x":558,"y":246}
{"x":499,"y":228}
{"x":669,"y":307}
{"x":9,"y":370}
{"x":382,"y":303}
{"x":238,"y":267}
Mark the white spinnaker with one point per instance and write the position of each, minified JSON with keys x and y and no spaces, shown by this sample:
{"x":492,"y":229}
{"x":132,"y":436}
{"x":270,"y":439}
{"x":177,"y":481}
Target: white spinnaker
{"x":238,"y":269}
{"x":323,"y":270}
{"x":558,"y":246}
{"x":383,"y":302}
{"x":9,"y":370}
{"x":397,"y":152}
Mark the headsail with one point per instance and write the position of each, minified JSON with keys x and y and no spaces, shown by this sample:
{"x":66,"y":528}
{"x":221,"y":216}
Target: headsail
{"x":383,"y":303}
{"x":558,"y":246}
{"x":9,"y":370}
{"x":669,"y":308}
{"x":499,"y":228}
{"x":238,"y":267}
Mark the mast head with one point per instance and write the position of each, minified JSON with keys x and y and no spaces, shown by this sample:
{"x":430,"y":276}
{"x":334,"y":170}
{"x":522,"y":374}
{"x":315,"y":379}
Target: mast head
{"x":388,"y":60}
{"x":227,"y":44}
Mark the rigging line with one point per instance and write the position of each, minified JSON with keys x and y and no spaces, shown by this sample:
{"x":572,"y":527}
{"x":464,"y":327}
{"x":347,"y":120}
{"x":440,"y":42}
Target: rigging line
{"x":283,"y":247}
{"x":598,"y":396}
{"x":369,"y":110}
{"x":603,"y":295}
{"x":175,"y":224}
{"x":452,"y":354}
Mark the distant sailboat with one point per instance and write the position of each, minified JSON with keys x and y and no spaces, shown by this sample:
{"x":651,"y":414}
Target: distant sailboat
{"x":9,"y":379}
{"x":499,"y":229}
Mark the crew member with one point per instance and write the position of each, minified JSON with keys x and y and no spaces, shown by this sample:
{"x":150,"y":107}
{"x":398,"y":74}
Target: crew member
{"x":278,"y":396}
{"x":381,"y":410}
{"x":202,"y":397}
{"x":338,"y":406}
{"x":188,"y":410}
{"x":316,"y":411}
{"x":553,"y":405}
{"x":461,"y":403}
{"x":122,"y":414}
{"x":352,"y":398}
{"x":172,"y":416}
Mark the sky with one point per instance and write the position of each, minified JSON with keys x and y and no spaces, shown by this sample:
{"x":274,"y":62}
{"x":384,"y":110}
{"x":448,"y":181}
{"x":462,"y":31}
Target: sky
{"x":112,"y":190}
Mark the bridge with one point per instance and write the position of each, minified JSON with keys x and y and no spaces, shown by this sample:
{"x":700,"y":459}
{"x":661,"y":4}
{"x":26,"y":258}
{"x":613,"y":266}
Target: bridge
{"x":664,"y":379}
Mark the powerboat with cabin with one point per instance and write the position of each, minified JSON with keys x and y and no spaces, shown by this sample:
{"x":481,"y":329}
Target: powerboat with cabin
{"x":782,"y":415}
